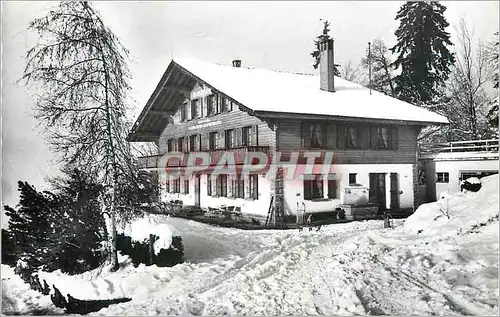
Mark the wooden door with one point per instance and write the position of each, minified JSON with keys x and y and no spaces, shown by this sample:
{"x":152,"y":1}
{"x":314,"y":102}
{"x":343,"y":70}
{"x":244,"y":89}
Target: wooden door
{"x":377,"y":189}
{"x":197,"y":190}
{"x":394,"y":191}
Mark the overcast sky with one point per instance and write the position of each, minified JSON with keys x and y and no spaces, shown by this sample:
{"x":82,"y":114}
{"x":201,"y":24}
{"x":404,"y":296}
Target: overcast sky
{"x":275,"y":35}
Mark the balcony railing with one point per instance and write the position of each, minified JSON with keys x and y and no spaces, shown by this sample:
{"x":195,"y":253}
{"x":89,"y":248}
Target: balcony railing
{"x":239,"y":153}
{"x":485,"y":146}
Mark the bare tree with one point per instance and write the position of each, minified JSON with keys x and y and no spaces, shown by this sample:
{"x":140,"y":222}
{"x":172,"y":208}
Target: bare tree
{"x":466,"y":85}
{"x":80,"y":73}
{"x":382,"y":71}
{"x":353,"y":73}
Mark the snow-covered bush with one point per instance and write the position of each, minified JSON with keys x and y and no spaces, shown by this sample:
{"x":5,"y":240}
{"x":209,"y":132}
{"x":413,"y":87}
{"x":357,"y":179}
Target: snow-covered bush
{"x":472,"y":184}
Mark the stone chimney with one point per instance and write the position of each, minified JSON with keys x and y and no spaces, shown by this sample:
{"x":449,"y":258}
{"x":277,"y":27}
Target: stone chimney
{"x":326,"y":66}
{"x":237,"y":63}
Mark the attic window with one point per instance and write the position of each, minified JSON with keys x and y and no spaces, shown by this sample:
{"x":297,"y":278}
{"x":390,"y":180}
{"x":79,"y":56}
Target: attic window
{"x":211,"y":105}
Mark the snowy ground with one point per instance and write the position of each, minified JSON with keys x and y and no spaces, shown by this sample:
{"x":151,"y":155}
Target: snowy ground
{"x":449,"y":268}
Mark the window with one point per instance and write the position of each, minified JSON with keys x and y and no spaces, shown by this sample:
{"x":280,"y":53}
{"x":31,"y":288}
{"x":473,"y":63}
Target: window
{"x":442,"y":177}
{"x":238,"y":187}
{"x":230,"y":140}
{"x":245,"y":136}
{"x":167,"y":186}
{"x":194,"y":108}
{"x":211,"y":105}
{"x":313,"y":134}
{"x":183,"y":111}
{"x":177,"y":185}
{"x":254,"y":186}
{"x":194,"y":142}
{"x":180,"y":144}
{"x":224,"y":104}
{"x":383,"y":137}
{"x":221,"y":185}
{"x":209,"y":185}
{"x":332,"y":189}
{"x":170,"y":145}
{"x":350,"y":137}
{"x":212,"y":140}
{"x":186,"y":186}
{"x":352,"y":178}
{"x":313,"y":187}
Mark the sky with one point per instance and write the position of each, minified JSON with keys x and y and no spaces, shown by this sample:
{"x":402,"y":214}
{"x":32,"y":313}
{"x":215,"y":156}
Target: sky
{"x":273,"y":35}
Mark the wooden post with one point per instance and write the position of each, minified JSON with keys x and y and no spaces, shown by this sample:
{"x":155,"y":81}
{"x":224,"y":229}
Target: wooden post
{"x":151,"y":249}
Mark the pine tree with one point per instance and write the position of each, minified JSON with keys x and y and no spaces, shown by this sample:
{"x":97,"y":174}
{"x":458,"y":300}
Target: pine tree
{"x":320,"y":39}
{"x":32,"y":223}
{"x":423,"y":55}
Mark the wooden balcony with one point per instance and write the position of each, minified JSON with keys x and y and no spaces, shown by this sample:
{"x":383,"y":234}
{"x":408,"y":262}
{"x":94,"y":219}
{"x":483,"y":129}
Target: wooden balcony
{"x":240,"y":153}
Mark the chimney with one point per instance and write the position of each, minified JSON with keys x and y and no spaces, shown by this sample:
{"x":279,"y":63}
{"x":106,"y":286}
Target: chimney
{"x":237,"y":63}
{"x":326,"y":66}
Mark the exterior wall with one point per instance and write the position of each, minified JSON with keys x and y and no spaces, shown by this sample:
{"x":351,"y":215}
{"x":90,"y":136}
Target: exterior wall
{"x":289,"y":139}
{"x":222,"y":121}
{"x":454,"y":168}
{"x":405,"y":177}
{"x":248,"y":206}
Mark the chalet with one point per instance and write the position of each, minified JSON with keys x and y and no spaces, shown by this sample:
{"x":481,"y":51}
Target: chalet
{"x":211,"y":108}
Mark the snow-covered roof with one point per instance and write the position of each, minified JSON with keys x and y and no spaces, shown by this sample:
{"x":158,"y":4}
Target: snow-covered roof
{"x":284,"y":92}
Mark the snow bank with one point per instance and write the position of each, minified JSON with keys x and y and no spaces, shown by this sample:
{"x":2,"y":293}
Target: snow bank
{"x":140,"y":229}
{"x":456,"y":213}
{"x":19,"y":299}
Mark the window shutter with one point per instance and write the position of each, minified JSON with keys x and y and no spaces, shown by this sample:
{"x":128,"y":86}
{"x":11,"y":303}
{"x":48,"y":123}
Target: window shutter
{"x":238,"y":133}
{"x":246,"y":184}
{"x":199,"y":107}
{"x":217,"y":104}
{"x":373,"y":137}
{"x":307,"y":189}
{"x":188,"y":110}
{"x":394,"y":138}
{"x":206,"y":144}
{"x":323,"y":134}
{"x":230,"y":185}
{"x":204,"y":103}
{"x":221,"y":139}
{"x":341,"y":136}
{"x":303,"y":134}
{"x":186,"y":144}
{"x":254,"y":135}
{"x":364,"y":137}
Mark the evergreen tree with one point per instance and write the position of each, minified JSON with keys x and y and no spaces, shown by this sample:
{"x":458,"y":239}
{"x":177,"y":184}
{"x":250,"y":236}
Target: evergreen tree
{"x":423,"y":56}
{"x":32,"y":223}
{"x":320,"y":39}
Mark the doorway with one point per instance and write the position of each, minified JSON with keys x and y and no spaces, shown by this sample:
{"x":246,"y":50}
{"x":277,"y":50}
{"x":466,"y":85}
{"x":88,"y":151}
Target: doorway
{"x":377,"y":190}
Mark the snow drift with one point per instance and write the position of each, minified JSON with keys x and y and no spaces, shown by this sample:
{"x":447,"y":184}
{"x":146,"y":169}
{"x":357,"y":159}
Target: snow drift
{"x":456,"y":213}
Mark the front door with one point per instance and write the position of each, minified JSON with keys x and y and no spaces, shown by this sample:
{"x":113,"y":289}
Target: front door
{"x":377,"y":189}
{"x":197,"y":190}
{"x":394,"y":191}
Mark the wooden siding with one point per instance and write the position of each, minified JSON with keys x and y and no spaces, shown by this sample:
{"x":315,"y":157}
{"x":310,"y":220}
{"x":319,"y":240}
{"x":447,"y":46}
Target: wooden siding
{"x":236,"y":118}
{"x":289,"y":139}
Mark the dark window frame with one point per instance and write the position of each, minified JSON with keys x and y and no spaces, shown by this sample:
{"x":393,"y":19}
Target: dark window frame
{"x":314,"y":187}
{"x":442,"y":177}
{"x":353,"y":178}
{"x":238,"y":187}
{"x":212,"y":140}
{"x":186,"y":186}
{"x":253,"y":185}
{"x":230,"y":138}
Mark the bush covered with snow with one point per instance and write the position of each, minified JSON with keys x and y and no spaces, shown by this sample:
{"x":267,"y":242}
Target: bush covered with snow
{"x":458,"y":212}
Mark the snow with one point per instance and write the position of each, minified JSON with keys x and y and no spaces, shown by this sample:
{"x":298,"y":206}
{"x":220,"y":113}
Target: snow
{"x":294,"y":93}
{"x":473,"y":180}
{"x":19,"y":299}
{"x":465,"y":210}
{"x":140,"y":229}
{"x":450,"y":268}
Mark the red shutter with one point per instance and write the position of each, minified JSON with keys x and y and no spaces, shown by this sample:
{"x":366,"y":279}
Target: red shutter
{"x":394,"y":138}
